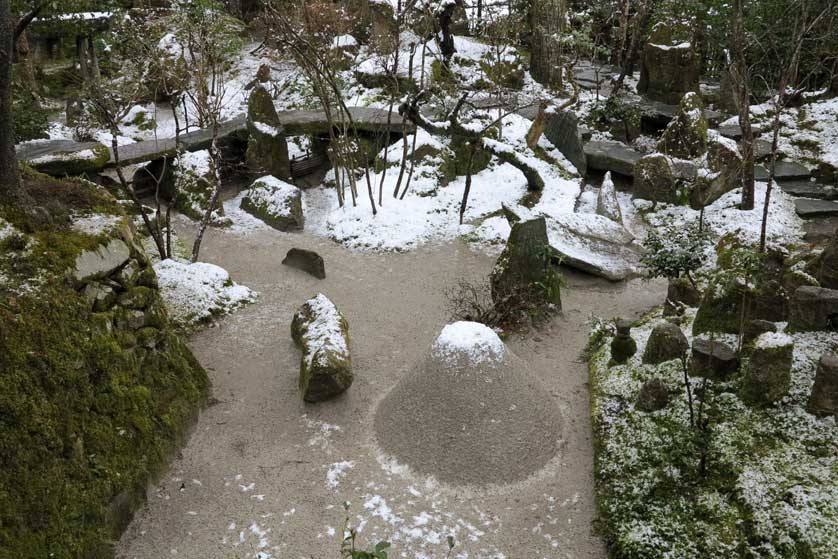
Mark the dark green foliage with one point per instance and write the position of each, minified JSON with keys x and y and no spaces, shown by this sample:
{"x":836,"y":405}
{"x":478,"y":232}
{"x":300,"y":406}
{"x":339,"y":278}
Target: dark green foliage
{"x":674,"y":251}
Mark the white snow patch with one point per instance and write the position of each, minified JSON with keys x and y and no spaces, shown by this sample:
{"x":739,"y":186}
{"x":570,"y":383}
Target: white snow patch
{"x":476,"y":341}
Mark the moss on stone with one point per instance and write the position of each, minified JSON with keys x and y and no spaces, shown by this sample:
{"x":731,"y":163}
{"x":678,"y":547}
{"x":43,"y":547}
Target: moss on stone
{"x":85,"y":425}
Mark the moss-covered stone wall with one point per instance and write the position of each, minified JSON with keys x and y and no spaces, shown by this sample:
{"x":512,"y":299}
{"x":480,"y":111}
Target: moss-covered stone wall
{"x":96,"y":389}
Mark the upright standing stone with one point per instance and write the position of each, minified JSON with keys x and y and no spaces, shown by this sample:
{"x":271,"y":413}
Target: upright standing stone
{"x":267,"y":149}
{"x":685,"y":136}
{"x":562,"y":129}
{"x":523,"y":265}
{"x":607,"y":203}
{"x":767,"y":377}
{"x":824,"y":397}
{"x":669,"y":67}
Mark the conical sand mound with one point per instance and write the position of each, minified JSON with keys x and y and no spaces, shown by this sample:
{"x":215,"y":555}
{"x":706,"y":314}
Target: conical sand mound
{"x":469,"y":413}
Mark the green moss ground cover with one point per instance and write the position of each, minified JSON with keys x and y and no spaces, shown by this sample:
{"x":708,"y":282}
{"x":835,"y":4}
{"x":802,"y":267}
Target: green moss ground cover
{"x":770,"y":486}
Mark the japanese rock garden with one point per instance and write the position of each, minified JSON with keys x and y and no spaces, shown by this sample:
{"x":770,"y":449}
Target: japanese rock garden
{"x":582,"y":288}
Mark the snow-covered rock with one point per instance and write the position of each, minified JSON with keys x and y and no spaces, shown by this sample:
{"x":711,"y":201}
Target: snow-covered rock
{"x":276,"y":202}
{"x":195,"y":292}
{"x":322,"y":334}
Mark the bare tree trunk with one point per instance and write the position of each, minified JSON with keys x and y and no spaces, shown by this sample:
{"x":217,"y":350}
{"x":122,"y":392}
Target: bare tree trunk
{"x":25,"y":63}
{"x":547,"y":24}
{"x":644,"y":14}
{"x":11,"y":190}
{"x":129,"y":190}
{"x":81,"y":54}
{"x":739,"y":75}
{"x":94,"y":59}
{"x":215,"y":157}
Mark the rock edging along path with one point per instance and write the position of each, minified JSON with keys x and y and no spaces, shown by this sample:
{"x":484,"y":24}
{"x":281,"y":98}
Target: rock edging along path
{"x":297,"y":122}
{"x":263,"y":467}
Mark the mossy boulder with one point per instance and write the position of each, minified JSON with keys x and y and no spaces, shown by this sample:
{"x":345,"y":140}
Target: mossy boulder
{"x":655,"y":180}
{"x":267,"y":147}
{"x":767,"y":375}
{"x":666,"y":342}
{"x":276,"y":202}
{"x":653,"y":396}
{"x":825,"y":266}
{"x":322,"y":333}
{"x":685,"y":136}
{"x":524,"y":268}
{"x":92,"y":157}
{"x":723,"y":172}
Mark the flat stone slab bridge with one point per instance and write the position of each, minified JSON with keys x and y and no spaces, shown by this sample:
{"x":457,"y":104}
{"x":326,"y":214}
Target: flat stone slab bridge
{"x":295,"y":123}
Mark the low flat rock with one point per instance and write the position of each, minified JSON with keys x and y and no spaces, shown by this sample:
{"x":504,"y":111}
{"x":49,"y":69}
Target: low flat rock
{"x":788,"y":170}
{"x":808,"y":189}
{"x":596,"y":245}
{"x":611,"y":156}
{"x":660,"y":114}
{"x":808,"y":208}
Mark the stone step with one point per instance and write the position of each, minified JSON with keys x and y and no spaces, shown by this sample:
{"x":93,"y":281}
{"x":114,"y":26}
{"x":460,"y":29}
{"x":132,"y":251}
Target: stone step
{"x":808,"y":189}
{"x":808,"y":208}
{"x":611,"y":156}
{"x":788,"y":170}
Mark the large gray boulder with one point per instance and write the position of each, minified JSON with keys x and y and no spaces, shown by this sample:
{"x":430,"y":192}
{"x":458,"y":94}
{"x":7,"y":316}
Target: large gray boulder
{"x":276,"y":202}
{"x":596,"y":245}
{"x":562,"y":129}
{"x":611,"y":156}
{"x":669,"y":66}
{"x":322,"y":334}
{"x":666,"y":342}
{"x":306,"y":260}
{"x":824,"y":397}
{"x":767,"y":376}
{"x":590,"y":243}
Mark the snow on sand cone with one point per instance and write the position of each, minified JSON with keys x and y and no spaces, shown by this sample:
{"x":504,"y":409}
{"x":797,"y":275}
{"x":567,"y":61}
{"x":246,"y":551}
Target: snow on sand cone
{"x":469,"y":414}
